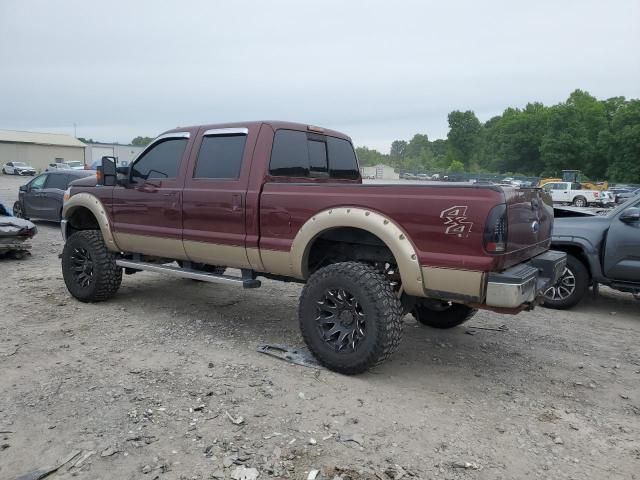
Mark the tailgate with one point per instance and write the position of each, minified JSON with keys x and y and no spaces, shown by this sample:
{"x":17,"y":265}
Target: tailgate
{"x":530,"y":219}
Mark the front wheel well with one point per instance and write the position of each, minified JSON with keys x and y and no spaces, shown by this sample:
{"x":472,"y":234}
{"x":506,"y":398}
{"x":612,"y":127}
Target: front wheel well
{"x":344,"y":244}
{"x":577,"y":252}
{"x":81,"y":218}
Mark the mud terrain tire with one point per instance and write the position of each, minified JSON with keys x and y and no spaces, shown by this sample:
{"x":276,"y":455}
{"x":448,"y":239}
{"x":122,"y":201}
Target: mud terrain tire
{"x":350,"y":317}
{"x":448,"y":316}
{"x":89,"y":269}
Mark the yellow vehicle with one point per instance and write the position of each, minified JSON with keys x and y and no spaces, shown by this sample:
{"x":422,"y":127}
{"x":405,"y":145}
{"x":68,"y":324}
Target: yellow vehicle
{"x":575,"y":176}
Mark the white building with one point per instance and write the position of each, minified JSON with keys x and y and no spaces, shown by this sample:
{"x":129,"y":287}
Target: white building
{"x":379,"y":172}
{"x":124,"y":153}
{"x":39,"y":149}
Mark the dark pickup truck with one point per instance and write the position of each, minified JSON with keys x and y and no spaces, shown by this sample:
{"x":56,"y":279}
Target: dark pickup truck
{"x":286,"y":201}
{"x":603,"y":248}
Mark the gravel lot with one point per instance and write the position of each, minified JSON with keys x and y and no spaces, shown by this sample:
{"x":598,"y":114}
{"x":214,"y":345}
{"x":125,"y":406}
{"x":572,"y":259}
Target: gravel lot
{"x":140,"y":387}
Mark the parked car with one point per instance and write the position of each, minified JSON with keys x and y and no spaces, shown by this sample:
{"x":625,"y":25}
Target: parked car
{"x":18,"y":168}
{"x":75,"y":164}
{"x":42,"y":197}
{"x":52,"y":167}
{"x":601,"y":249}
{"x":574,"y":194}
{"x":286,"y":201}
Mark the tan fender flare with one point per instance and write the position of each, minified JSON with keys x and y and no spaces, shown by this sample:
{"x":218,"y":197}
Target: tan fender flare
{"x":373,"y":222}
{"x":88,"y":201}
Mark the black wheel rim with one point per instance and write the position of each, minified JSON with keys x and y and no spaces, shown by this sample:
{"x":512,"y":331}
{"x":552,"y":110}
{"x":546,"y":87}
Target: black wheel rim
{"x":340,"y":320}
{"x":82,"y":266}
{"x":563,"y":289}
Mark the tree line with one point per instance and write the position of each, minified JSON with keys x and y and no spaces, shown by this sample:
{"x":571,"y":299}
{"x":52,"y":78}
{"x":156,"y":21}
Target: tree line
{"x":599,"y":137}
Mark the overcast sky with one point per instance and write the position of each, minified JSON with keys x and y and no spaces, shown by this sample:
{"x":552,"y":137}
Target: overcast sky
{"x":377,"y":70}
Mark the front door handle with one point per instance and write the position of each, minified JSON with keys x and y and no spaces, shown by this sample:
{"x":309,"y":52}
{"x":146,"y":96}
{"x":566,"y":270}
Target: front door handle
{"x":236,"y":202}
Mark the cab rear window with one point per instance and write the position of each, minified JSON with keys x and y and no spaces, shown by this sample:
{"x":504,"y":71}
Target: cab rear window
{"x":301,"y":154}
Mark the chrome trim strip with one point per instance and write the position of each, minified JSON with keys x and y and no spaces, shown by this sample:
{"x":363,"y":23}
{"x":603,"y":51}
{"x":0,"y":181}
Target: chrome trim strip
{"x":226,"y":131}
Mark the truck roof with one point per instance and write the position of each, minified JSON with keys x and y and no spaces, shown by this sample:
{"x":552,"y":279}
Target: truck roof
{"x":275,"y":124}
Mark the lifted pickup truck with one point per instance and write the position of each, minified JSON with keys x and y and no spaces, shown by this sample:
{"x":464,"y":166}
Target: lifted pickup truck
{"x":286,"y":201}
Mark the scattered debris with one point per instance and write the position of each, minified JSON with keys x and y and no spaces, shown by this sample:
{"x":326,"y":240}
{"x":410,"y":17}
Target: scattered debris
{"x":109,"y":451}
{"x":297,"y":356}
{"x":313,"y":474}
{"x":355,"y":438}
{"x":501,"y":328}
{"x":312,"y":441}
{"x":46,"y":471}
{"x":244,"y":473}
{"x":236,"y":421}
{"x":466,"y":465}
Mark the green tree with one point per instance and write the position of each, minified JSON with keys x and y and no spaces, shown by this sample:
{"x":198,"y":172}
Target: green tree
{"x":141,"y":141}
{"x":398,"y":148}
{"x":624,"y":144}
{"x":464,"y":136}
{"x":456,"y":166}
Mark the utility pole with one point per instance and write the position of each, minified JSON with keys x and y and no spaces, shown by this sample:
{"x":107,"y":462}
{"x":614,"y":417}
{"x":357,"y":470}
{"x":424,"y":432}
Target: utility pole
{"x":75,"y":134}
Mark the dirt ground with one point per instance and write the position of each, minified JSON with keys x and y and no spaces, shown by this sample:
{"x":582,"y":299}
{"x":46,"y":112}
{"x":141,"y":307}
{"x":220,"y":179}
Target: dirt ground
{"x":140,"y":387}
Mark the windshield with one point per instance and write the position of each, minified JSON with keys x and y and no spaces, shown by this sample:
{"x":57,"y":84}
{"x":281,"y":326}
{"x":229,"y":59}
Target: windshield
{"x":19,"y":164}
{"x":74,"y":163}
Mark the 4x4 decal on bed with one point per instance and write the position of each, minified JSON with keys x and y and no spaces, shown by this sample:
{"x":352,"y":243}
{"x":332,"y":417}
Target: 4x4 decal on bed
{"x":455,"y":221}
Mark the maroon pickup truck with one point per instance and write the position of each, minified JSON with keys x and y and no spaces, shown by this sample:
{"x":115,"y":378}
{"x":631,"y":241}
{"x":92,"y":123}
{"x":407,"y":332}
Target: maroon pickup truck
{"x":285,"y":201}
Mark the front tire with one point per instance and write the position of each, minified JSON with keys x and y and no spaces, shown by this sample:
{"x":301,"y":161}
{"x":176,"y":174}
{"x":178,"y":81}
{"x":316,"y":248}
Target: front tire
{"x":89,"y":268}
{"x":571,"y":286}
{"x":350,"y":317}
{"x":443,"y":315}
{"x":18,"y":211}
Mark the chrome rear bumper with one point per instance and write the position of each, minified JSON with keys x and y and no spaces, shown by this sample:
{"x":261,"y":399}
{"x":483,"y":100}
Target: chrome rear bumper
{"x":523,"y":283}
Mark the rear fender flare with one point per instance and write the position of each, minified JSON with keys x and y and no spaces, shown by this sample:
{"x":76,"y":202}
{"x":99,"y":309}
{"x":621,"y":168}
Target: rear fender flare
{"x":90,"y":202}
{"x":373,"y":222}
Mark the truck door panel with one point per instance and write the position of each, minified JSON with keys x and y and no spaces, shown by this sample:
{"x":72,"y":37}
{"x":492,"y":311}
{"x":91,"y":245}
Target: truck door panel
{"x":214,"y":197}
{"x":147,"y":212}
{"x":622,"y":251}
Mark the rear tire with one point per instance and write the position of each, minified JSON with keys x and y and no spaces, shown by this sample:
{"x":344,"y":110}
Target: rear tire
{"x":443,"y":315}
{"x":571,"y":286}
{"x":350,"y":317}
{"x":89,"y":268}
{"x":579,"y":201}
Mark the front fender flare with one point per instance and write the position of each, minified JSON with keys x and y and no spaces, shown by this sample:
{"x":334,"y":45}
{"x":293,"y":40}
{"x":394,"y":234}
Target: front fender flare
{"x":373,"y":222}
{"x":90,"y":202}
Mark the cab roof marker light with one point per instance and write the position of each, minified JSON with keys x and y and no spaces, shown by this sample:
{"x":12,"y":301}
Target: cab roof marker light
{"x":313,"y":128}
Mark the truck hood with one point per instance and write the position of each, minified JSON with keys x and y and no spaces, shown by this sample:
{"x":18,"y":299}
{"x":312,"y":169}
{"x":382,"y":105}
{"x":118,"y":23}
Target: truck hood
{"x":89,"y":181}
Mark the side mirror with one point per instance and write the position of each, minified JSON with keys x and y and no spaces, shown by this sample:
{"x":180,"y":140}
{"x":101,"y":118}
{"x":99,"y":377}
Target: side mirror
{"x":107,"y":174}
{"x":23,"y":188}
{"x":630,"y":215}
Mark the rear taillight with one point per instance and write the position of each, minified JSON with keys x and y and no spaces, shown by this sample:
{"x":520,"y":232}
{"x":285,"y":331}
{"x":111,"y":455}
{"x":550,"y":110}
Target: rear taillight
{"x":496,"y":230}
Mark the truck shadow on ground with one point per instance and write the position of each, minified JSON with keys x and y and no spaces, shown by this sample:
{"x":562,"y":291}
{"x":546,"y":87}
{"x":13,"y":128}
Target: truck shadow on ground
{"x":247,"y":319}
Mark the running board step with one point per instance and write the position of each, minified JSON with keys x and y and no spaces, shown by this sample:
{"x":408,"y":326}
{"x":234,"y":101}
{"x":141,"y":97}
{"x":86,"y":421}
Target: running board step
{"x":246,"y":281}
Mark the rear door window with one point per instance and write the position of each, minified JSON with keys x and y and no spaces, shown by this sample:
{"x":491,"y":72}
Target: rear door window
{"x":220,"y":156}
{"x":161,"y":161}
{"x":289,"y":155}
{"x":301,"y":154}
{"x":60,"y":181}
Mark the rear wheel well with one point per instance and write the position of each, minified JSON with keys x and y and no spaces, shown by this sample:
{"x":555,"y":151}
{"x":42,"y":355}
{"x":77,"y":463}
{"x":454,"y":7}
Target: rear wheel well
{"x":81,"y":219}
{"x":576,"y":252}
{"x":345,"y":244}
